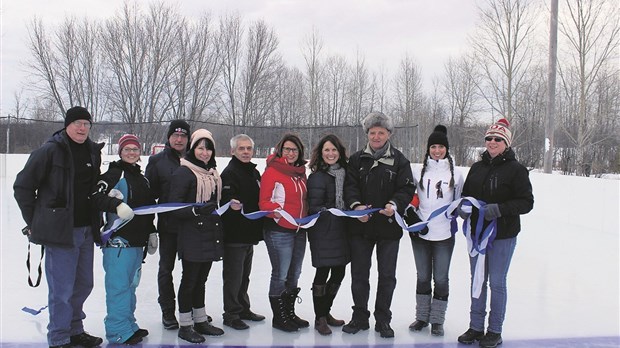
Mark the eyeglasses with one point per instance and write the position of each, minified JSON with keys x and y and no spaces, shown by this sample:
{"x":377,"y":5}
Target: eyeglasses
{"x":129,"y":150}
{"x":80,"y":124}
{"x":290,"y":149}
{"x":496,"y":139}
{"x":178,"y":135}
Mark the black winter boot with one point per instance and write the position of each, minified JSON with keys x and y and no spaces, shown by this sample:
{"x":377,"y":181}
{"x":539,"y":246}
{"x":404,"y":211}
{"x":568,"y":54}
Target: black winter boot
{"x":290,"y":295}
{"x":331,"y":291}
{"x":281,"y":320}
{"x":190,"y":335}
{"x":470,"y":336}
{"x":438,"y":316}
{"x":169,"y":320}
{"x":422,"y":312}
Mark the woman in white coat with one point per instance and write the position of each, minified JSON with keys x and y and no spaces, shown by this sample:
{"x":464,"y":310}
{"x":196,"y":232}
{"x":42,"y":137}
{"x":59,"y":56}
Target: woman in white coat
{"x":437,"y":184}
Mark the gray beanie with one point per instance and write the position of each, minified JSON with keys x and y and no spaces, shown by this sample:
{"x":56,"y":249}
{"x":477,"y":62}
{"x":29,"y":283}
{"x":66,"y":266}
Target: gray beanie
{"x":377,"y":119}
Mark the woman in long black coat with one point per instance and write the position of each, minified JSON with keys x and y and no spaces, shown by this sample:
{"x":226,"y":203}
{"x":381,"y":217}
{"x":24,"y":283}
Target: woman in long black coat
{"x":199,"y":232}
{"x":329,"y":243}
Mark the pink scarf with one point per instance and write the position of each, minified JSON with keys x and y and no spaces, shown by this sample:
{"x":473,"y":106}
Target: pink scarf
{"x":208,"y":181}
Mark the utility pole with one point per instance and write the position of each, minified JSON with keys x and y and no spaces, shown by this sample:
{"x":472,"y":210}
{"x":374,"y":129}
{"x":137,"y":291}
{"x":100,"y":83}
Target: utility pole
{"x":8,"y":133}
{"x":553,"y":58}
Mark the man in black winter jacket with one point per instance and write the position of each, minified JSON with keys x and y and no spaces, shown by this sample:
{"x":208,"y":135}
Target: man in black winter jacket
{"x":158,"y":172}
{"x":240,"y":186}
{"x":53,"y":192}
{"x":378,"y":176}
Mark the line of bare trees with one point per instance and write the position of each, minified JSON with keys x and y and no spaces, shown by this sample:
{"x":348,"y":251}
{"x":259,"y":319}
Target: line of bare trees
{"x":148,"y":65}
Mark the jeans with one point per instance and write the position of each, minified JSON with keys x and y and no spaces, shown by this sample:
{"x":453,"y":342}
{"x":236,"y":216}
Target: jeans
{"x":192,"y":288}
{"x":167,"y":261}
{"x":69,"y":273}
{"x":122,"y":275}
{"x":236,"y":268}
{"x":286,"y":252}
{"x":361,"y":261}
{"x":432,"y":261}
{"x":496,"y":270}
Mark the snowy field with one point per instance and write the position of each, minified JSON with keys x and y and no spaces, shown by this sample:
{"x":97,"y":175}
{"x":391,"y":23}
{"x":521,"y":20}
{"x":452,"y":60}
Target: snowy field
{"x":563,"y":283}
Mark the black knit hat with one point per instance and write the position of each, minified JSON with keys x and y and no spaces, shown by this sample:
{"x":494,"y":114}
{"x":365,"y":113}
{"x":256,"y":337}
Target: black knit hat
{"x":439,"y":136}
{"x":178,"y":126}
{"x":77,"y":113}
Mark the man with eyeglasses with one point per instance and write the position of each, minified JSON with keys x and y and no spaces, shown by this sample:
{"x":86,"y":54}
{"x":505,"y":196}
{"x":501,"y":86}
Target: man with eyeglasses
{"x":53,"y":192}
{"x":158,"y":172}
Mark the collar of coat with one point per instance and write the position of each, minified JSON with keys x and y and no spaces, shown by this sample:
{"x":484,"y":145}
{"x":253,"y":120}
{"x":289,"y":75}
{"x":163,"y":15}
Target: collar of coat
{"x":387,"y":158}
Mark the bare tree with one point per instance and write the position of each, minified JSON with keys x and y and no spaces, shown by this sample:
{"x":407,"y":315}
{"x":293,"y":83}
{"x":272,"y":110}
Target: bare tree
{"x":230,"y":54}
{"x":311,"y":52}
{"x":140,"y":51}
{"x":360,"y":87}
{"x":503,"y":50}
{"x":259,"y":71}
{"x":67,"y":66}
{"x":192,"y":86}
{"x":409,"y":98}
{"x":462,"y":99}
{"x":592,"y":30}
{"x":335,"y":102}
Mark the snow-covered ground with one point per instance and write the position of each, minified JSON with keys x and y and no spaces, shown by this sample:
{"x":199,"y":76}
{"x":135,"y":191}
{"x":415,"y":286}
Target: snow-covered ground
{"x":563,"y":283}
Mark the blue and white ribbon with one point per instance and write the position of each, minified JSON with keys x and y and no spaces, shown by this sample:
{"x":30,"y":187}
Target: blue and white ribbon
{"x":478,"y":242}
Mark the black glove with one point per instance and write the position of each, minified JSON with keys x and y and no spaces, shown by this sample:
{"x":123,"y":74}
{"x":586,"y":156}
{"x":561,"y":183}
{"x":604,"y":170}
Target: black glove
{"x":207,"y":209}
{"x":492,"y":212}
{"x":411,"y":217}
{"x":26,"y":232}
{"x":459,"y":210}
{"x":423,"y":231}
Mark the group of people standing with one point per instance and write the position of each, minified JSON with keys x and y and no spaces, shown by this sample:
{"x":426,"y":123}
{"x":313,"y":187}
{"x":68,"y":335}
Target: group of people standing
{"x":61,"y":193}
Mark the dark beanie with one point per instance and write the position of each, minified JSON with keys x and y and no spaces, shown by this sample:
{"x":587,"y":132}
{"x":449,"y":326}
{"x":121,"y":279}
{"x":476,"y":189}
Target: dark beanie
{"x":178,"y":126}
{"x":77,"y":113}
{"x":439,"y":136}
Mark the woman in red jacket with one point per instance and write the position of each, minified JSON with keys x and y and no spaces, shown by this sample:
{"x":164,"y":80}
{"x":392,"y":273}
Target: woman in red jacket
{"x":283,"y":188}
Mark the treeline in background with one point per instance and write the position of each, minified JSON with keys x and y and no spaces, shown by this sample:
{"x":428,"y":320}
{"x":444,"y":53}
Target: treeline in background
{"x":147,"y":65}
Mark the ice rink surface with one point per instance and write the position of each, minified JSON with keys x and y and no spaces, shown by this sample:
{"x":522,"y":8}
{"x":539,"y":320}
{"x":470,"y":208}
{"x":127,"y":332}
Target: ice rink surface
{"x":563,"y":283}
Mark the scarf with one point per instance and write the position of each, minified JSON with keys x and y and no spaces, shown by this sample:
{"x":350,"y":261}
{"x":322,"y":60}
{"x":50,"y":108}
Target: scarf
{"x":208,"y":182}
{"x":339,"y":173}
{"x":383,"y":155}
{"x":280,"y":164}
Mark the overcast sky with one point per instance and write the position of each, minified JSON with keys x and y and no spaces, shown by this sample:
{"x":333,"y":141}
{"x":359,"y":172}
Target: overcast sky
{"x":382,"y":30}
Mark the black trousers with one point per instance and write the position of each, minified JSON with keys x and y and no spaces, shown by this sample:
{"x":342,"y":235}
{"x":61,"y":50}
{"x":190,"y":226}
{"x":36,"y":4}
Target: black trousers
{"x":193,"y":281}
{"x":236,"y":268}
{"x":361,"y":261}
{"x":167,"y":260}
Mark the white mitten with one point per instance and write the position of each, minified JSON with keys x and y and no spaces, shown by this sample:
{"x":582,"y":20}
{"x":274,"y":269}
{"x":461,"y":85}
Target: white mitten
{"x":116,"y":194}
{"x":153,"y":243}
{"x":124,"y":211}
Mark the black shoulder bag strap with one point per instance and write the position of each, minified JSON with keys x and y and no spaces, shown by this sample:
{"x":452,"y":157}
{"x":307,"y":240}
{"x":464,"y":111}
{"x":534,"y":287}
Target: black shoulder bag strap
{"x":39,"y":269}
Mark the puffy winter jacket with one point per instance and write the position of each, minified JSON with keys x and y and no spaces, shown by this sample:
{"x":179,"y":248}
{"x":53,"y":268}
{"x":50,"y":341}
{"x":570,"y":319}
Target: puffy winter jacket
{"x":279,"y":190}
{"x":329,"y":241}
{"x":504,"y":181}
{"x":199,"y":238}
{"x":136,"y":193}
{"x":44,"y":191}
